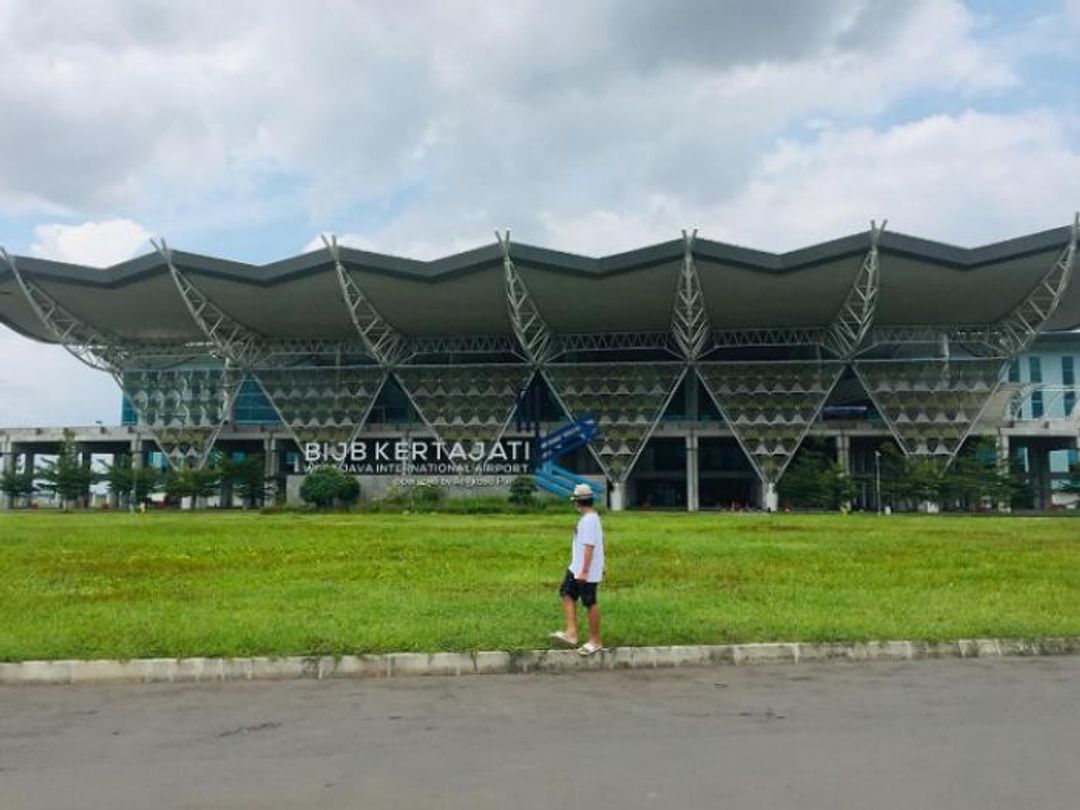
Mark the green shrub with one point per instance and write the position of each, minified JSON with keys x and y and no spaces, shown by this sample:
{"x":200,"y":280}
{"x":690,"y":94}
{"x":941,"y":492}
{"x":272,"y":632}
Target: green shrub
{"x":325,"y":486}
{"x":522,"y":489}
{"x":426,"y":495}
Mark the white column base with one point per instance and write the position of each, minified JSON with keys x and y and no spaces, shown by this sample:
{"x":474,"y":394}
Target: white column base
{"x":770,"y":500}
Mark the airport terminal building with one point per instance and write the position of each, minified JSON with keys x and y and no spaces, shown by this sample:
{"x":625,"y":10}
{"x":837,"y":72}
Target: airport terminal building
{"x":698,"y":368}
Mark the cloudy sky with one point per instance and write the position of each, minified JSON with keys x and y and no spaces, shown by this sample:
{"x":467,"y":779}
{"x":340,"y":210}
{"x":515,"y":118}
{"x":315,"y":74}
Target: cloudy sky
{"x":245,"y":129}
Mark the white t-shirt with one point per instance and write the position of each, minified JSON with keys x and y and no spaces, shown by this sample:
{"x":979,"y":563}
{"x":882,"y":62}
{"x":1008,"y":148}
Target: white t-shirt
{"x":589,"y":533}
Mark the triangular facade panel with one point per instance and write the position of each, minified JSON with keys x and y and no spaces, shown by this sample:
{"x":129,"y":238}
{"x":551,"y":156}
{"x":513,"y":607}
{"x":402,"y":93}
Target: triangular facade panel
{"x":626,"y":399}
{"x":930,"y":406}
{"x":184,"y":409}
{"x":468,"y":403}
{"x":321,"y":403}
{"x":770,"y":406}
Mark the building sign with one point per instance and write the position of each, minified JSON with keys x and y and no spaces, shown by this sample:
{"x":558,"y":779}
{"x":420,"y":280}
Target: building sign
{"x":420,"y":457}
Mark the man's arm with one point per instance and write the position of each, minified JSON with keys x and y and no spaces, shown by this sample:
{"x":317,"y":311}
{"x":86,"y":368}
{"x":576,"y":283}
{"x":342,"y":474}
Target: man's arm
{"x":585,"y":564}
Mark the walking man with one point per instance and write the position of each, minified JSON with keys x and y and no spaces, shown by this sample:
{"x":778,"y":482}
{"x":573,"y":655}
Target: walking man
{"x":584,"y":574}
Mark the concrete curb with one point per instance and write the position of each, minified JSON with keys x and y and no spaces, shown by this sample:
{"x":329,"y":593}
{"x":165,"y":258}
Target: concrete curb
{"x":188,"y":670}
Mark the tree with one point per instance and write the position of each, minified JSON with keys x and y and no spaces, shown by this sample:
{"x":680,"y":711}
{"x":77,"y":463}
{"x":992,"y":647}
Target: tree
{"x":118,"y":477}
{"x":191,"y":482}
{"x":128,"y":481}
{"x":324,"y":486}
{"x":17,"y":484}
{"x":66,"y":476}
{"x":817,"y":482}
{"x":247,"y":477}
{"x":978,"y":478}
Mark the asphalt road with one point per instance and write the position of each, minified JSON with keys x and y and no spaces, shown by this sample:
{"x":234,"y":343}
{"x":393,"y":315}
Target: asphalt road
{"x":930,"y":734}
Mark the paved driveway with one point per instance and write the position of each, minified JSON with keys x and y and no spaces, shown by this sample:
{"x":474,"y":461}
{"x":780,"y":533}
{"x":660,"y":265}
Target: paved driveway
{"x":929,"y":734}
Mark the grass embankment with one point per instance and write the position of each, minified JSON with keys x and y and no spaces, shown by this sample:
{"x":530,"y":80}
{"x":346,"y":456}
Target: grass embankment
{"x":118,"y":585}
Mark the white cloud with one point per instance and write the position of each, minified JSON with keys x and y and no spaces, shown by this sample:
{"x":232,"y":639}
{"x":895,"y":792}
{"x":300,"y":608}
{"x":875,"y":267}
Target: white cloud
{"x":43,"y":385}
{"x":969,"y":179}
{"x":449,"y":117}
{"x":602,"y":127}
{"x":99,"y":244}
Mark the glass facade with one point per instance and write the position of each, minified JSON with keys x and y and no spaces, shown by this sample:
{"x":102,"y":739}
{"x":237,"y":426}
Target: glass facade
{"x":1035,"y":376}
{"x":1068,"y":378}
{"x":252,"y":407}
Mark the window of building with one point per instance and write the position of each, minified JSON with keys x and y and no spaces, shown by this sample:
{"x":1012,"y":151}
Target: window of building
{"x":127,"y":412}
{"x":1014,"y":370}
{"x":1037,"y":405}
{"x":251,"y":406}
{"x":1068,"y":379}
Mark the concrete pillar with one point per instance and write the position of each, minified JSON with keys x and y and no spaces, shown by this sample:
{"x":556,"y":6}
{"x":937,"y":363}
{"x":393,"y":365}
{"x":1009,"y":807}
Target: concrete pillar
{"x":770,"y":500}
{"x":114,"y":497}
{"x":272,"y":457}
{"x":616,"y":496}
{"x":86,"y":456}
{"x":30,"y":464}
{"x":843,"y":452}
{"x":9,"y":467}
{"x":1006,"y":462}
{"x":138,"y":461}
{"x":693,"y":499}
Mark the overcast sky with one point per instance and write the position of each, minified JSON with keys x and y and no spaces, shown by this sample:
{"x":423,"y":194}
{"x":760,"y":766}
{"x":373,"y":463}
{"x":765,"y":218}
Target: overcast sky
{"x":245,"y":129}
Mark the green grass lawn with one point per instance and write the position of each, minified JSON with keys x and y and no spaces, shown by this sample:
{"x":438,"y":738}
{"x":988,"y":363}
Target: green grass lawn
{"x":119,"y":585}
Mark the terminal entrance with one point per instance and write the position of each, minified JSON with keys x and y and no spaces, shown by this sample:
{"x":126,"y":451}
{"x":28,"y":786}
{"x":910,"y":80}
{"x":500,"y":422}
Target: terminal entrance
{"x":659,"y":478}
{"x":726,"y":479}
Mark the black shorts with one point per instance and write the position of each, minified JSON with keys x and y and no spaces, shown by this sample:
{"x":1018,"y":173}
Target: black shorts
{"x":585,"y":591}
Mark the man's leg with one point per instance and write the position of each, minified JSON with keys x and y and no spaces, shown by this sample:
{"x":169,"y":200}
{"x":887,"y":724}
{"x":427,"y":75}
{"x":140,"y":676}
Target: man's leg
{"x":570,"y":611}
{"x":594,"y":625}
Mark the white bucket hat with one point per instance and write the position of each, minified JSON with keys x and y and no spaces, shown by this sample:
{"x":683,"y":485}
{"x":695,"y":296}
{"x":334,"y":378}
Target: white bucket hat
{"x":582,"y":492}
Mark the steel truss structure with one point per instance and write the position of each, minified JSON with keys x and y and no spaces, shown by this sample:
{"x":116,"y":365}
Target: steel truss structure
{"x":689,"y":318}
{"x":235,"y":342}
{"x":612,"y":342}
{"x":1011,"y":335}
{"x":183,"y":408}
{"x":1020,"y":327}
{"x":465,"y":387}
{"x":383,"y":341}
{"x":853,"y":320}
{"x":529,"y":327}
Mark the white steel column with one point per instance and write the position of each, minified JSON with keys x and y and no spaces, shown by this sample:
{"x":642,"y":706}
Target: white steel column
{"x":272,"y":465}
{"x":770,"y":500}
{"x":1004,"y":461}
{"x":693,"y":496}
{"x":9,"y":468}
{"x":853,"y":320}
{"x":843,"y":452}
{"x":616,"y":496}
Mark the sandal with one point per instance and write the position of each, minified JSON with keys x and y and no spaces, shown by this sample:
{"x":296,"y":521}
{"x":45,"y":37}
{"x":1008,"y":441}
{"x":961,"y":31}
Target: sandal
{"x":560,"y":637}
{"x":588,"y":648}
